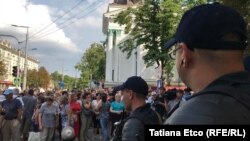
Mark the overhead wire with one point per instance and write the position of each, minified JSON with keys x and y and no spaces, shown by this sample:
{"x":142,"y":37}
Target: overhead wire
{"x":57,"y":18}
{"x":67,"y":23}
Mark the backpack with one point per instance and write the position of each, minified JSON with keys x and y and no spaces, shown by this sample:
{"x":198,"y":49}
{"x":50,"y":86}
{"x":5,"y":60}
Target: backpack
{"x":117,"y":135}
{"x":119,"y":126}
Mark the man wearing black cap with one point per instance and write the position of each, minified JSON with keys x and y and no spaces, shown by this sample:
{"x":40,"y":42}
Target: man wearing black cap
{"x":134,"y":92}
{"x":209,"y":45}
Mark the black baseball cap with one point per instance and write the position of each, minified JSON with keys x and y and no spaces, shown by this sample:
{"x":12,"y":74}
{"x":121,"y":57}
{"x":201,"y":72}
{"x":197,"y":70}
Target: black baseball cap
{"x":136,"y":84}
{"x":204,"y":26}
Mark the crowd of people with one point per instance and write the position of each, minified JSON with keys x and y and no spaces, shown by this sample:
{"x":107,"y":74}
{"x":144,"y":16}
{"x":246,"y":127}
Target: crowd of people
{"x":50,"y":112}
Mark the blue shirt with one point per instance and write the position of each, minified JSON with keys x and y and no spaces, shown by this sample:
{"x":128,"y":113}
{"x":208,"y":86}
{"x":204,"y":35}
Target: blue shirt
{"x":11,"y":108}
{"x":29,"y":106}
{"x":117,"y":106}
{"x":49,"y":115}
{"x":64,"y":115}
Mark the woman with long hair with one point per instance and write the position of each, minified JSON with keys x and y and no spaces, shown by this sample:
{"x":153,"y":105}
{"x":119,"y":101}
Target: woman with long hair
{"x":75,"y":107}
{"x":86,"y":116}
{"x":104,"y":116}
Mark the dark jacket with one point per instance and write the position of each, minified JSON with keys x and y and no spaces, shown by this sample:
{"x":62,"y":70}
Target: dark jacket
{"x":133,"y":129}
{"x":217,"y":108}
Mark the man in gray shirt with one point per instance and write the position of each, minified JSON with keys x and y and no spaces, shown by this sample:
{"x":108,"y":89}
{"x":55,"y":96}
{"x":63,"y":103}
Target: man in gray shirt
{"x":29,"y":107}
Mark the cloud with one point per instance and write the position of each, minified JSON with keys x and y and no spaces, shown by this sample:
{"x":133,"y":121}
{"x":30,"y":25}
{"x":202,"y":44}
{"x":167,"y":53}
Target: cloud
{"x":50,"y":55}
{"x":36,"y":17}
{"x":90,"y":21}
{"x":63,"y":46}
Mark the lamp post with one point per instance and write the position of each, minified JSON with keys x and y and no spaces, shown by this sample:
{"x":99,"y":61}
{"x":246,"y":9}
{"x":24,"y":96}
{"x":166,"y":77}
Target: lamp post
{"x":25,"y":53}
{"x":18,"y":65}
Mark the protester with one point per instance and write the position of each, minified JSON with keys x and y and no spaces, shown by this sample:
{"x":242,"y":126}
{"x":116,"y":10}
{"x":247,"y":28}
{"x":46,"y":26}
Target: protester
{"x":96,"y":118}
{"x":11,"y":110}
{"x":86,"y":116}
{"x":28,"y":110}
{"x":104,"y":107}
{"x":187,"y":94}
{"x":209,"y":45}
{"x":48,"y":119}
{"x":64,"y":112}
{"x":116,"y":109}
{"x":75,"y":107}
{"x":159,"y":102}
{"x":170,"y":104}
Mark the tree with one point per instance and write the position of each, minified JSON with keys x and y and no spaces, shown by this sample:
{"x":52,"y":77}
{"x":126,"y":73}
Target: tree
{"x":56,"y":77}
{"x":92,"y":64}
{"x":192,"y":3}
{"x":32,"y":78}
{"x":44,"y":77}
{"x":243,"y":7}
{"x":69,"y":82}
{"x":40,"y":78}
{"x":154,"y":23}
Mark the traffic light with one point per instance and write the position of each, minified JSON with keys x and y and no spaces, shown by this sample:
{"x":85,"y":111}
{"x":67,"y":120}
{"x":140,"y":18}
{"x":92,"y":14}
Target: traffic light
{"x":14,"y":71}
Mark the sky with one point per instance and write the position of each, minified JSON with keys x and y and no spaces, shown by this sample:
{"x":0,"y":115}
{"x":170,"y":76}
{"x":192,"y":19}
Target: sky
{"x":60,"y":30}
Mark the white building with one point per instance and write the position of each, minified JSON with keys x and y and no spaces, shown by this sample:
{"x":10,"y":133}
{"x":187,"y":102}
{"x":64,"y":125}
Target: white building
{"x":9,"y":56}
{"x":118,"y":67}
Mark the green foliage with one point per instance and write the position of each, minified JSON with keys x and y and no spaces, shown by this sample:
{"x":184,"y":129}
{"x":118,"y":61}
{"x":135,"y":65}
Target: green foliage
{"x":92,"y":63}
{"x":40,"y":78}
{"x":56,"y":77}
{"x":127,"y":46}
{"x":243,"y":7}
{"x":154,"y":23}
{"x":192,"y":3}
{"x":69,"y":82}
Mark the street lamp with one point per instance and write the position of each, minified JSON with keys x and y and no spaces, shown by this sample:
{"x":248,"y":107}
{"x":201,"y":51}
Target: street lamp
{"x":25,"y":53}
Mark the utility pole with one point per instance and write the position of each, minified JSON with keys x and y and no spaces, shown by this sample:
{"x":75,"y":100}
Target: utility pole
{"x":62,"y":74}
{"x":18,"y":66}
{"x":75,"y":78}
{"x":25,"y":61}
{"x":25,"y":53}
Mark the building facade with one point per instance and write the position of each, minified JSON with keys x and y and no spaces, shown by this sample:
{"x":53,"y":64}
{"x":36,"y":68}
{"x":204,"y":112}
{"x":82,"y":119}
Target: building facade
{"x":118,"y":66}
{"x":10,"y":57}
